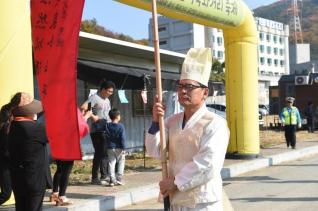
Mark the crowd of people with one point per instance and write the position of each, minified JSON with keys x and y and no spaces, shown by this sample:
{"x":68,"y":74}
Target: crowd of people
{"x":108,"y":136}
{"x":25,"y":161}
{"x":24,"y":150}
{"x":194,"y":173}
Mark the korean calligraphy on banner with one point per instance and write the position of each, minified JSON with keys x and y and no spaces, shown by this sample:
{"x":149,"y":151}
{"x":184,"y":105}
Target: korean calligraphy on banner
{"x":55,"y":34}
{"x":230,"y":7}
{"x":224,"y":12}
{"x":221,"y":11}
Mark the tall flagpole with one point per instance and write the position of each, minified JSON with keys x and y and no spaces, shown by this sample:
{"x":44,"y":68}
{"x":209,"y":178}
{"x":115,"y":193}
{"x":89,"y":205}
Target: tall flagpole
{"x":163,"y":150}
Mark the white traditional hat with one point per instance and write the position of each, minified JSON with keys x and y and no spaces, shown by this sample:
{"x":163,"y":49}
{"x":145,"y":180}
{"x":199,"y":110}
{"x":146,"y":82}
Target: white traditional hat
{"x":197,"y":65}
{"x":290,"y":99}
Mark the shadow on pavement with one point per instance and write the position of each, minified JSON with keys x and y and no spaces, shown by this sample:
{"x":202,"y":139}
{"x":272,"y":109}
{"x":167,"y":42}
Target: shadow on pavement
{"x":304,"y":165}
{"x":293,"y":181}
{"x":249,"y":178}
{"x":263,"y":199}
{"x":139,"y":209}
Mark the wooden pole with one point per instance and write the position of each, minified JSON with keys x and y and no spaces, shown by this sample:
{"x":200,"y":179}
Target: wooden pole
{"x":163,"y":150}
{"x":144,"y":109}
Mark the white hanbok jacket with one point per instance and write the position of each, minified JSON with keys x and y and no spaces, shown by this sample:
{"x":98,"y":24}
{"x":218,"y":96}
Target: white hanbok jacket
{"x":196,"y":156}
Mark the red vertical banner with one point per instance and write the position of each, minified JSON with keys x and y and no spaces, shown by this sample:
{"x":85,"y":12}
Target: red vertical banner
{"x":55,"y":34}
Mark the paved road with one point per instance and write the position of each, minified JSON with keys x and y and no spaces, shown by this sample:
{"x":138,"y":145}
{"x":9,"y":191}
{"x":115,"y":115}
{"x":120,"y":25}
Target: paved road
{"x":291,"y":186}
{"x":150,"y":205}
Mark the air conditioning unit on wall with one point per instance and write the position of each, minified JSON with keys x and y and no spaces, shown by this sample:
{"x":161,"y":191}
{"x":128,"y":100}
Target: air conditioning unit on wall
{"x":301,"y":80}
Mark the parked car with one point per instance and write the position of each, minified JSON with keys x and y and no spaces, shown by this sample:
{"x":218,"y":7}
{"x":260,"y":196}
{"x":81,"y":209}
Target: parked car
{"x":263,"y":109}
{"x":220,"y":109}
{"x":218,"y":112}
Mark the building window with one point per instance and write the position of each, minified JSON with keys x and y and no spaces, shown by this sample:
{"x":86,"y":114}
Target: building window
{"x":276,"y":62}
{"x":219,"y":40}
{"x":275,"y":39}
{"x":269,"y":62}
{"x":282,"y":63}
{"x":269,"y":50}
{"x":162,"y":28}
{"x":281,"y":51}
{"x":214,"y":54}
{"x":163,"y":42}
{"x":213,"y":39}
{"x":261,"y":36}
{"x":280,"y":40}
{"x":261,"y":48}
{"x":138,"y":105}
{"x":268,"y":37}
{"x":275,"y":51}
{"x":262,"y":60}
{"x":220,"y":54}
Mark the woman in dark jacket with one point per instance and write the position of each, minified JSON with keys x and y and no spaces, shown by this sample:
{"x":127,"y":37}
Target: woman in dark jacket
{"x":27,"y":148}
{"x":5,"y":180}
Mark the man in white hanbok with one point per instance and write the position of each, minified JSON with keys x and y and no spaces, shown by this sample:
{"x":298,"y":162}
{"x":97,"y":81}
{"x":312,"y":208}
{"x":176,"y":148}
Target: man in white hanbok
{"x":197,"y":140}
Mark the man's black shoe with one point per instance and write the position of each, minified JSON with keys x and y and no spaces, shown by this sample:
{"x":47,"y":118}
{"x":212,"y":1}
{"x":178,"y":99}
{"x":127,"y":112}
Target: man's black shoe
{"x":96,"y":182}
{"x":111,"y":183}
{"x":104,"y":178}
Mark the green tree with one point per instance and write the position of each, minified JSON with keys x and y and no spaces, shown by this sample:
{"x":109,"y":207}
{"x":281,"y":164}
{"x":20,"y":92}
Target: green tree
{"x":217,"y":71}
{"x":143,"y":42}
{"x":91,"y":26}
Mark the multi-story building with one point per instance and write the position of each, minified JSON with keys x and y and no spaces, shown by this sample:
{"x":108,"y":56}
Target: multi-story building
{"x":273,"y":55}
{"x":180,"y":36}
{"x":273,"y":49}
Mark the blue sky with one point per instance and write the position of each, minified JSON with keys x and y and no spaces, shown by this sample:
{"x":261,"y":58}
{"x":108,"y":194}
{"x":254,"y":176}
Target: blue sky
{"x":131,"y":21}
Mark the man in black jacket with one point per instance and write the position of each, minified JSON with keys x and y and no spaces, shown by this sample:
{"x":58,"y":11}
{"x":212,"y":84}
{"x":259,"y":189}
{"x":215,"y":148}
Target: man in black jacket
{"x":310,"y":115}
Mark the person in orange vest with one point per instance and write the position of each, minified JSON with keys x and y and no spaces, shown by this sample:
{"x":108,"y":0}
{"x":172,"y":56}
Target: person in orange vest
{"x":290,"y":119}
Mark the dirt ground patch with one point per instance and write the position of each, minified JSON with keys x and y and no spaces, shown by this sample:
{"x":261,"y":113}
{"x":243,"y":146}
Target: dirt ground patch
{"x":270,"y":138}
{"x":81,"y":172}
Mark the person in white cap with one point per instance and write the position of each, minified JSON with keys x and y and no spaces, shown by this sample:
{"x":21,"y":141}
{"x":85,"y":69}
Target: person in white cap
{"x":290,"y":119}
{"x":197,"y":140}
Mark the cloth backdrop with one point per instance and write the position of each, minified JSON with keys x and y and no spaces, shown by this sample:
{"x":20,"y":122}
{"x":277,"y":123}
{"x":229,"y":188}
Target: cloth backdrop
{"x":55,"y":34}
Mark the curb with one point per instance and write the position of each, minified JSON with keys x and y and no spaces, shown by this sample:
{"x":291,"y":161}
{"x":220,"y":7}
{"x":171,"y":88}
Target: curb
{"x":133,"y":196}
{"x":120,"y":199}
{"x":247,"y":166}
